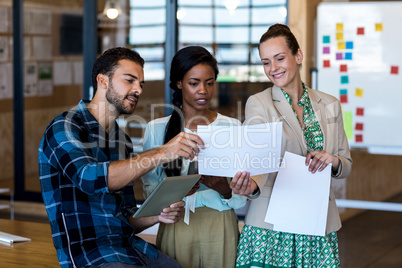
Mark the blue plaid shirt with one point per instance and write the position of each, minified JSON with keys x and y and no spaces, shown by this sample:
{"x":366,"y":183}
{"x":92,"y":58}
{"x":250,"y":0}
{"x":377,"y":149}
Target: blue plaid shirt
{"x":89,"y":223}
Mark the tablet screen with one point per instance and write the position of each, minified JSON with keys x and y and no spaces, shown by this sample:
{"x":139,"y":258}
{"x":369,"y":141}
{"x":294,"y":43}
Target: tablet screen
{"x":168,"y":191}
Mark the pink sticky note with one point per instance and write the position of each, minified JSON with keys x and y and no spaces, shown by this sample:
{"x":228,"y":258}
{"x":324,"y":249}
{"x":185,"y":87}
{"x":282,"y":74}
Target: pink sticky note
{"x":325,"y":50}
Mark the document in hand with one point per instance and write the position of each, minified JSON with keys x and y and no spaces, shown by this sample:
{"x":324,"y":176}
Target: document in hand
{"x":299,"y":200}
{"x":229,"y":149}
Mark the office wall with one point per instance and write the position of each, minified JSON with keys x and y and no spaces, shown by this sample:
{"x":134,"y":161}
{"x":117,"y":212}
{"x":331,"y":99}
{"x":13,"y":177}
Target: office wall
{"x":42,"y":47}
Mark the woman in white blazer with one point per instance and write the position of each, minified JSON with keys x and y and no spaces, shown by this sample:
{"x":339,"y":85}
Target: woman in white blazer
{"x":312,"y":127}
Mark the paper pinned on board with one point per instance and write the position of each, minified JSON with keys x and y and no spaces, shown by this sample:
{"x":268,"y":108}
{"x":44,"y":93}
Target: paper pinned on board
{"x":299,"y":200}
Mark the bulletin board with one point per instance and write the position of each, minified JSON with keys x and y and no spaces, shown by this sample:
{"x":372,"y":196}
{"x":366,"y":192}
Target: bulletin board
{"x":359,"y":61}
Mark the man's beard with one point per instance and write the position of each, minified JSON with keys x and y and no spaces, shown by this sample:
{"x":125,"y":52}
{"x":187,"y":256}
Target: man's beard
{"x":117,"y":100}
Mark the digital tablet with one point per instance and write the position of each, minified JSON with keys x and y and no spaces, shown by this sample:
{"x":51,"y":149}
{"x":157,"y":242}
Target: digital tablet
{"x":168,"y":191}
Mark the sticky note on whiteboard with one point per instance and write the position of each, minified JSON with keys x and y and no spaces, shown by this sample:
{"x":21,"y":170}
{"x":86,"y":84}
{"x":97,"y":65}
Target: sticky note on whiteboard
{"x":349,"y":45}
{"x":343,"y":68}
{"x":347,"y":118}
{"x":378,"y":27}
{"x":359,"y":92}
{"x":343,"y":99}
{"x":359,"y":138}
{"x":394,"y":69}
{"x":341,"y":45}
{"x":339,"y":26}
{"x":360,"y":111}
{"x":359,"y":126}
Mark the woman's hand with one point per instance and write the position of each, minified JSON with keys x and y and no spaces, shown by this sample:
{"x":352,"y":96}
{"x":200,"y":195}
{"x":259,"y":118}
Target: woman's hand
{"x":320,"y":160}
{"x":242,"y":184}
{"x":219,"y":184}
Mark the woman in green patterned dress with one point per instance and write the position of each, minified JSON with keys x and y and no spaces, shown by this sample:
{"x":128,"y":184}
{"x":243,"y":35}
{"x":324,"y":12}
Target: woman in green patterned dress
{"x":312,"y":127}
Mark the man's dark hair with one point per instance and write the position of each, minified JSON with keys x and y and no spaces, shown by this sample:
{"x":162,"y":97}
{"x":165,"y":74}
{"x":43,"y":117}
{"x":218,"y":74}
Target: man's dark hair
{"x":106,"y":64}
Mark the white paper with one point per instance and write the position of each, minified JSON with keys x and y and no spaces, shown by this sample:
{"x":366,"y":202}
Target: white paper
{"x":42,"y":47}
{"x":78,"y":70}
{"x":4,"y":45}
{"x":6,"y":81}
{"x":229,"y":149}
{"x":62,"y":73}
{"x":4,"y":19}
{"x":299,"y":200}
{"x":27,"y":48}
{"x":30,"y":79}
{"x":41,"y":22}
{"x":45,"y":79}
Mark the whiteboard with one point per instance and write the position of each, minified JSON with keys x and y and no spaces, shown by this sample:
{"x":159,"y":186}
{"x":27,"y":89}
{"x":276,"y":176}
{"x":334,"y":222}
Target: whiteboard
{"x":359,"y":61}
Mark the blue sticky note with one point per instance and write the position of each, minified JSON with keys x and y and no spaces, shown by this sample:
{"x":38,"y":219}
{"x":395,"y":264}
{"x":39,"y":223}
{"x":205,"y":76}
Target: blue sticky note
{"x":349,"y":45}
{"x":343,"y":91}
{"x":348,"y":55}
{"x":344,"y":79}
{"x":326,"y":39}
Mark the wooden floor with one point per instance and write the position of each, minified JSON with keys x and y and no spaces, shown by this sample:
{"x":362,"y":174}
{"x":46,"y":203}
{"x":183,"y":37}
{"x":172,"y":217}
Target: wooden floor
{"x":372,"y":239}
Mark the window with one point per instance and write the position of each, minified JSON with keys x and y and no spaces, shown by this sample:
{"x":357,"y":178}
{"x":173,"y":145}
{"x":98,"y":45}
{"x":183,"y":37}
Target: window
{"x":232,"y":36}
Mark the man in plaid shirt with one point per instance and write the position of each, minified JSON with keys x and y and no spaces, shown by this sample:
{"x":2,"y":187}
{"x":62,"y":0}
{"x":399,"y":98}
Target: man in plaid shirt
{"x":87,"y":173}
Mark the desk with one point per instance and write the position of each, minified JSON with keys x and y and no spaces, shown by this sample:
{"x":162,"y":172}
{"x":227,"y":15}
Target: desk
{"x":39,"y":252}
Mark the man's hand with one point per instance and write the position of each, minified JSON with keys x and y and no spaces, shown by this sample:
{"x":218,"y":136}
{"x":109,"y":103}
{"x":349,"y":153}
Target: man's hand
{"x":173,"y":213}
{"x":184,"y":145}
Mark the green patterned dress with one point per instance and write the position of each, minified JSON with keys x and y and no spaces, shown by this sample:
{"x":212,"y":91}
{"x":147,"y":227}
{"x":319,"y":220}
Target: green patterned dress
{"x":259,"y":247}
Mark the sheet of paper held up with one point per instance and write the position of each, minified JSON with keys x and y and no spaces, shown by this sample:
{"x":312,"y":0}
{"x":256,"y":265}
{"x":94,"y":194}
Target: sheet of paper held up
{"x":299,"y":200}
{"x":229,"y":149}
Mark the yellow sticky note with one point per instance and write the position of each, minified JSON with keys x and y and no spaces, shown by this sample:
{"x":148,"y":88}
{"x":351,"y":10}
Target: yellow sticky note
{"x":339,"y":36}
{"x":339,"y":26}
{"x":378,"y":27}
{"x":341,"y":45}
{"x":359,"y":92}
{"x":348,"y":124}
